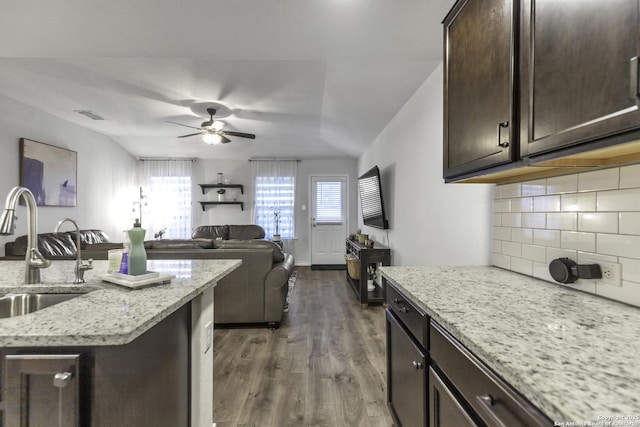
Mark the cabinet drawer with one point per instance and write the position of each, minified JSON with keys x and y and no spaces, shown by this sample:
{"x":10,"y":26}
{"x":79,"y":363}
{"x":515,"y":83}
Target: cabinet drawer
{"x":494,"y":401}
{"x":412,"y":317}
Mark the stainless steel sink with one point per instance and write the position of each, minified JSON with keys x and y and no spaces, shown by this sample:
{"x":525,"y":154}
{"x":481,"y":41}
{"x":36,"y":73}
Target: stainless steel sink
{"x":12,"y":305}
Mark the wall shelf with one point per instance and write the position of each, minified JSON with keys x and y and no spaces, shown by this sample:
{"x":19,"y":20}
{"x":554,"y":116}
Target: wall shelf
{"x":205,"y":204}
{"x":206,"y":187}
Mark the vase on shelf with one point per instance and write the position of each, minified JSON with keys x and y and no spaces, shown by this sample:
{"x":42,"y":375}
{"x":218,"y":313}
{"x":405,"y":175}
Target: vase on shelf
{"x":370,"y":285}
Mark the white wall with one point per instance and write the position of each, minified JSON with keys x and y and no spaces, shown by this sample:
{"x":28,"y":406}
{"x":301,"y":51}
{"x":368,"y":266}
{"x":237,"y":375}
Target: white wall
{"x":106,"y":172}
{"x":431,"y":223}
{"x":239,"y":172}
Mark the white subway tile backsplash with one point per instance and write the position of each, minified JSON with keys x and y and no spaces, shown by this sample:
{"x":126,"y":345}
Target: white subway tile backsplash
{"x":630,"y":223}
{"x":562,"y":221}
{"x":562,"y":184}
{"x":502,"y":233}
{"x":534,"y":220}
{"x":510,"y":190}
{"x":629,"y":176}
{"x":578,"y":202}
{"x":524,"y":204}
{"x":548,"y":238}
{"x":553,"y":253}
{"x":587,"y":217}
{"x":534,"y":253}
{"x":546,"y":204}
{"x":522,"y":235}
{"x":522,"y":266}
{"x":619,"y":244}
{"x":619,"y":200}
{"x":629,"y":292}
{"x":534,"y":188}
{"x":630,"y":269}
{"x":513,"y":249}
{"x":502,"y":205}
{"x":603,"y":222}
{"x":541,"y":271}
{"x":511,"y":220}
{"x":606,"y":179}
{"x":502,"y":261}
{"x":578,"y":241}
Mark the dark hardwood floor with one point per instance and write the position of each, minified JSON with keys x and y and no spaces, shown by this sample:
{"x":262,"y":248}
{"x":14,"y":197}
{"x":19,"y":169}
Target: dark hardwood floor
{"x":325,"y":366}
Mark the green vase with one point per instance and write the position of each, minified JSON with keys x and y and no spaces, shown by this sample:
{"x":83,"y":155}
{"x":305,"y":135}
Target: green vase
{"x":137,"y":253}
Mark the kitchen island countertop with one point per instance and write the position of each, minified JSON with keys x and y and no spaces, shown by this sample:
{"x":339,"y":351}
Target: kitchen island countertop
{"x":107,"y":314}
{"x":573,"y":355}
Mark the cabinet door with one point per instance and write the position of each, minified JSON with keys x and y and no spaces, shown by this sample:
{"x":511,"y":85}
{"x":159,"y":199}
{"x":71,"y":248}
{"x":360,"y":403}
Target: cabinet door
{"x":406,"y":376}
{"x":444,"y":408}
{"x":42,"y":390}
{"x":478,"y":85}
{"x":579,"y":72}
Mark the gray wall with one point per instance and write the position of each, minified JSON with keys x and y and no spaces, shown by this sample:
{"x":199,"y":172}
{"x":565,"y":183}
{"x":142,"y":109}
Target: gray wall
{"x":239,"y":172}
{"x":431,"y":223}
{"x":106,"y":172}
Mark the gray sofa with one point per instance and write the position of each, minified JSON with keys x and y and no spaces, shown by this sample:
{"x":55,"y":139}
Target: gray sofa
{"x":255,"y":293}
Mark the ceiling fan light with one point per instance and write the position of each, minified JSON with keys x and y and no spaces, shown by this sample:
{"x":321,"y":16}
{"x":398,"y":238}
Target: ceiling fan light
{"x":218,"y":125}
{"x":211,"y":138}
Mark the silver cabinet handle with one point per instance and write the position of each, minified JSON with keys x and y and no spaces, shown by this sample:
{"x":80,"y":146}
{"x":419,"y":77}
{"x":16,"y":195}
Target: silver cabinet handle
{"x":633,"y":77}
{"x":417,"y":365}
{"x":61,"y":379}
{"x":501,"y":143}
{"x":487,"y":402}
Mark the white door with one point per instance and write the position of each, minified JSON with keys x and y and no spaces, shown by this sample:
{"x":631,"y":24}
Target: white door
{"x":328,"y":219}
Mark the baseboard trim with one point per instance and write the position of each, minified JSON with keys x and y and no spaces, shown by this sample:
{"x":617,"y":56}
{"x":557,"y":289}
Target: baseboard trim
{"x":328,"y":266}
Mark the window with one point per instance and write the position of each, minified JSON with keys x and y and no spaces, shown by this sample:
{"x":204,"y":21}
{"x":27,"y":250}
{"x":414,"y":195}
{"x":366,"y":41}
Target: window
{"x":328,"y":203}
{"x":167,"y":206}
{"x":275,"y":183}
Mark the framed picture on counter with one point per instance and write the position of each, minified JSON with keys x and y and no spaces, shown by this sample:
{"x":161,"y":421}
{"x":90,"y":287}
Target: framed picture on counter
{"x":50,"y":173}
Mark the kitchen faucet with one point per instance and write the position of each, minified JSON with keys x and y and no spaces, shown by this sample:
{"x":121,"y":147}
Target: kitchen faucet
{"x":33,"y":259}
{"x":80,"y":267}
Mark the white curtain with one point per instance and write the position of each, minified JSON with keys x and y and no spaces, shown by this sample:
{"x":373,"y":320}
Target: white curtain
{"x":166,"y":201}
{"x":274,"y":191}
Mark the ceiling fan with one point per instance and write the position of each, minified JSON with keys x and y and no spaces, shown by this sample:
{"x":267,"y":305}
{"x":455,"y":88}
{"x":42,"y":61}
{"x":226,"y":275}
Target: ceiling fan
{"x":212,"y":130}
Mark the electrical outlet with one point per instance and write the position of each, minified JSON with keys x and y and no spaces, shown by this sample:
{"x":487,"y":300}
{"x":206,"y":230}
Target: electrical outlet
{"x":209,"y":333}
{"x":611,"y":272}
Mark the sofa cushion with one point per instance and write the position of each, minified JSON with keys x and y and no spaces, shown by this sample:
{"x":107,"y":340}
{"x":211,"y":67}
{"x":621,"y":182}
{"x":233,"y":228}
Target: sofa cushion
{"x":197,"y":243}
{"x":211,"y":232}
{"x":246,"y":232}
{"x":90,"y":237}
{"x":278,"y":256}
{"x":105,"y":246}
{"x":49,"y":245}
{"x":56,"y":245}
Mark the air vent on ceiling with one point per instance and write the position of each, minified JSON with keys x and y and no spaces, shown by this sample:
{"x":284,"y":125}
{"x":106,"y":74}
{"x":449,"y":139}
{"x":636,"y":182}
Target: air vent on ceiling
{"x":90,"y":114}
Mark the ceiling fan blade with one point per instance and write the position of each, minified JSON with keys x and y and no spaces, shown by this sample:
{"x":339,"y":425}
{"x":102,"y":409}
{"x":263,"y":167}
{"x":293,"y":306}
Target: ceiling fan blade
{"x":240,"y":134}
{"x":224,"y":139}
{"x":180,"y":124}
{"x":191,"y":134}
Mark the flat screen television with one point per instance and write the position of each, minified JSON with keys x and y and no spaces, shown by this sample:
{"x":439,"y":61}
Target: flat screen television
{"x":371,"y":199}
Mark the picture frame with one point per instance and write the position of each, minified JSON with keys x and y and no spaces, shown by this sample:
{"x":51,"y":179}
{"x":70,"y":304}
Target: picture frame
{"x":50,"y":173}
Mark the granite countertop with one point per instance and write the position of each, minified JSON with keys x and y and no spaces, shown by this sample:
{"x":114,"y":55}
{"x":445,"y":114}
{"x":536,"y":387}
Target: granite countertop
{"x":108,"y":314}
{"x":573,"y":355}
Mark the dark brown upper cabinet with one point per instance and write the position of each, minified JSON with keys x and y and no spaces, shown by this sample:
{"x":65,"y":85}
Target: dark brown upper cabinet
{"x":578,"y":72}
{"x":478,"y":85}
{"x":537,"y":88}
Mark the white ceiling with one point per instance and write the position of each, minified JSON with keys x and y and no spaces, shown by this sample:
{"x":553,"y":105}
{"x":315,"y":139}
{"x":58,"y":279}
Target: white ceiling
{"x":311,"y":78}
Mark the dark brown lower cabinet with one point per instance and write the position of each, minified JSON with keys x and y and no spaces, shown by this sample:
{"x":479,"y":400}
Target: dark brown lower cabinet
{"x":406,"y":376}
{"x":444,"y":409}
{"x":143,"y":383}
{"x":472,"y":389}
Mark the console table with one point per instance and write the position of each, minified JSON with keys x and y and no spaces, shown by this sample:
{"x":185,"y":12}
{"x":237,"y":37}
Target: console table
{"x":375,"y":255}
